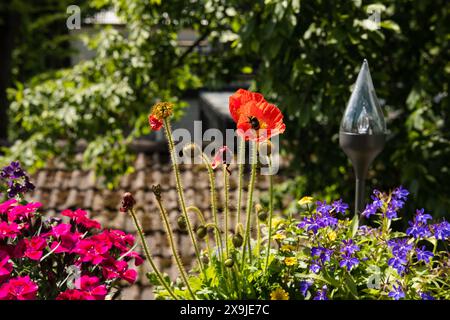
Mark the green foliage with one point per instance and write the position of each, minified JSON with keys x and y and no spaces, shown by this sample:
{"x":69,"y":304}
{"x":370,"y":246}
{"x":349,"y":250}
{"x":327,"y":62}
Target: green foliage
{"x":303,"y":55}
{"x":292,"y":256}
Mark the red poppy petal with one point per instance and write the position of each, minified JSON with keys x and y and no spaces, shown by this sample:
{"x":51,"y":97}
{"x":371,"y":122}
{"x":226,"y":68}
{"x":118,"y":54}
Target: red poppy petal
{"x":239,"y":99}
{"x":155,"y":123}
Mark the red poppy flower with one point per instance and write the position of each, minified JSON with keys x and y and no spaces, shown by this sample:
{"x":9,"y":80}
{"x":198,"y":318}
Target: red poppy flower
{"x":155,"y":123}
{"x":256,"y":119}
{"x":223,"y":156}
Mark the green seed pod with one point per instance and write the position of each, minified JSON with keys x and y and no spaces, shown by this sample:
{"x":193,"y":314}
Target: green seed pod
{"x":201,"y":232}
{"x":181,"y":221}
{"x":229,"y":263}
{"x":262,"y":216}
{"x":237,"y":240}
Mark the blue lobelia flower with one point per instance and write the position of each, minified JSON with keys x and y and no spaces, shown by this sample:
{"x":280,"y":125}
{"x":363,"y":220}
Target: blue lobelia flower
{"x":400,"y":193}
{"x":339,"y":206}
{"x":426,"y":296}
{"x":422,"y":217}
{"x":304,"y":286}
{"x":349,"y":247}
{"x":396,"y":293}
{"x":423,"y":255}
{"x":441,"y":230}
{"x":348,"y":261}
{"x":315,"y":266}
{"x":321,"y":294}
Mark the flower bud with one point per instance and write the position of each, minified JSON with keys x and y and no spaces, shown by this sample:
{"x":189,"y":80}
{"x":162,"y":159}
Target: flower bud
{"x":156,"y":189}
{"x":181,"y":221}
{"x":229,"y":263}
{"x":201,"y":232}
{"x":237,"y":240}
{"x":205,"y":259}
{"x":128,"y":202}
{"x":262,"y":214}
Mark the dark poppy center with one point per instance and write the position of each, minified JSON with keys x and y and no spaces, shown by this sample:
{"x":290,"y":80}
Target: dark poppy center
{"x":254,"y":122}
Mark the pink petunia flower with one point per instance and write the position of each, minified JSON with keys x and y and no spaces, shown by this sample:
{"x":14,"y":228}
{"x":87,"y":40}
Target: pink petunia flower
{"x":113,"y":269}
{"x":223,"y":156}
{"x":80,"y":217}
{"x":74,"y":294}
{"x":8,"y":230}
{"x":92,"y":251}
{"x":20,"y":288}
{"x":5,"y":206}
{"x":34,"y":248}
{"x":5,"y":266}
{"x":92,"y":286}
{"x":23,"y":211}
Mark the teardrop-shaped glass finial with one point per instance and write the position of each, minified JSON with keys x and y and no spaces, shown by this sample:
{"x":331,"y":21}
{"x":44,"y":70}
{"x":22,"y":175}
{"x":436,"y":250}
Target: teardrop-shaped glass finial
{"x":363,"y":113}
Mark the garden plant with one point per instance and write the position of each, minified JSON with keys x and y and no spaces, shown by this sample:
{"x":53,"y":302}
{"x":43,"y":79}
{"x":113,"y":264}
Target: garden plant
{"x":320,"y":252}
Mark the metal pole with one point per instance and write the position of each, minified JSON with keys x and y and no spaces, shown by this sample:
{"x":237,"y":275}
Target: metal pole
{"x":359,"y":195}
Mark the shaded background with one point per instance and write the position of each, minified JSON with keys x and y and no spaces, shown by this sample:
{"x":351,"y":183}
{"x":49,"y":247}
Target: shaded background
{"x":87,"y":92}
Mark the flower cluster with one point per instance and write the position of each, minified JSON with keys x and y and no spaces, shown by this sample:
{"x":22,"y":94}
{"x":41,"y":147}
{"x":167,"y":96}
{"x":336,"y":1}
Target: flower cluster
{"x":323,"y":216}
{"x":388,"y":204}
{"x":15,"y":180}
{"x":50,"y":250}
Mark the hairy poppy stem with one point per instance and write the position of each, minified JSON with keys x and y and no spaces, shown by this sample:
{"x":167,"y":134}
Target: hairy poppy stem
{"x":251,"y":187}
{"x":212,"y":184}
{"x":172,"y":244}
{"x":180,"y":191}
{"x":148,"y":254}
{"x":241,"y":154}
{"x":270,"y":212}
{"x":226,"y":191}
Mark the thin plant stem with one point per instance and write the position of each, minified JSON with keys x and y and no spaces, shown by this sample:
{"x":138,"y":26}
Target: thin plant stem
{"x":251,"y":187}
{"x":270,"y":213}
{"x":148,"y":254}
{"x":241,"y":154}
{"x":173,"y":246}
{"x":201,"y":217}
{"x":180,"y":191}
{"x":212,"y":184}
{"x":226,"y":195}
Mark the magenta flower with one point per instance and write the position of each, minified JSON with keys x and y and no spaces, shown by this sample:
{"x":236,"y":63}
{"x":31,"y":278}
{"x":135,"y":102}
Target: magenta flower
{"x":23,"y":212}
{"x":5,"y":266}
{"x":8,"y":230}
{"x":113,"y":269}
{"x":223,"y":156}
{"x":5,"y":206}
{"x":91,"y":285}
{"x":20,"y":288}
{"x":67,"y":243}
{"x":74,"y":294}
{"x":92,"y":251}
{"x":34,"y":247}
{"x":80,"y":218}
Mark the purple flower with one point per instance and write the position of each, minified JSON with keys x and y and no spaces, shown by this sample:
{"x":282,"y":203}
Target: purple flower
{"x":400,"y":247}
{"x":423,"y":255}
{"x":370,"y":210}
{"x":418,"y":230}
{"x":304,"y":286}
{"x":16,"y":179}
{"x":314,"y":267}
{"x":400,"y":193}
{"x":349,"y":247}
{"x":324,"y":254}
{"x":323,"y":207}
{"x":398,"y":264}
{"x":339,"y":206}
{"x":426,"y":296}
{"x":441,"y":230}
{"x":391,"y":212}
{"x":396,"y":293}
{"x":348,"y":261}
{"x":421,"y":217}
{"x":321,"y":294}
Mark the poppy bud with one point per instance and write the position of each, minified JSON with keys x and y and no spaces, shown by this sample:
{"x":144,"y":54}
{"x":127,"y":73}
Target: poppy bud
{"x":205,"y":259}
{"x":237,"y":240}
{"x":156,"y":189}
{"x":181,"y":221}
{"x":201,"y":232}
{"x":262,"y":214}
{"x":128,"y":202}
{"x":229,"y":263}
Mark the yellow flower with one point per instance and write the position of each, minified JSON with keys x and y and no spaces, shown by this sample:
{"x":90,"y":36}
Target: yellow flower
{"x":290,"y":261}
{"x":279,"y":294}
{"x":278,"y":236}
{"x":287,"y":248}
{"x":162,"y":110}
{"x":331,"y":235}
{"x":305,"y":200}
